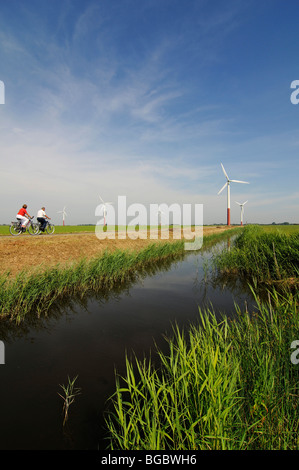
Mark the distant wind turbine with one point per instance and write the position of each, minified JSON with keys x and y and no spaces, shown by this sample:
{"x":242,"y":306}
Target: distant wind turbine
{"x":242,"y":210}
{"x":160,"y":212}
{"x":104,"y":209}
{"x":63,"y":215}
{"x":228,"y":181}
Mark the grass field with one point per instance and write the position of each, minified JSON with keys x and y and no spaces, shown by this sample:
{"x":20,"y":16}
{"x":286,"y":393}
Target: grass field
{"x":287,"y":229}
{"x":4,"y":229}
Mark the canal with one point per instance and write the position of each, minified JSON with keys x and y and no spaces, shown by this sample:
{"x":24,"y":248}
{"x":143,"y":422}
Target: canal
{"x":90,"y":339}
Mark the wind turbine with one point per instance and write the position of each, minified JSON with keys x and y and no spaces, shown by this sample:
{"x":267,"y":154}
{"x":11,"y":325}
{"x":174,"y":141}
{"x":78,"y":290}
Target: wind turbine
{"x":63,"y":214}
{"x":242,"y":209}
{"x":160,"y":212}
{"x":228,"y":181}
{"x":105,"y":210}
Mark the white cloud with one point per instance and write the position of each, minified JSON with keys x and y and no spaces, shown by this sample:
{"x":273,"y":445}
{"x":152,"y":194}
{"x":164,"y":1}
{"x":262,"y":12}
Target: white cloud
{"x":82,"y":117}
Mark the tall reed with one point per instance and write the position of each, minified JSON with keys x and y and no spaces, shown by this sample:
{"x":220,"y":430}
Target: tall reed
{"x":37,"y":292}
{"x":265,"y":257}
{"x":223,"y":385}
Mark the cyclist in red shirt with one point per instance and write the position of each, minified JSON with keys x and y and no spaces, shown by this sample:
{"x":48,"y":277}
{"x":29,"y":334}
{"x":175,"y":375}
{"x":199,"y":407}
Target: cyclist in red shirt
{"x":23,"y":216}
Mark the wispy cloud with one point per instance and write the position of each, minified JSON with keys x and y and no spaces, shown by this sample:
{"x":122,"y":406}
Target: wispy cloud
{"x":138,"y":98}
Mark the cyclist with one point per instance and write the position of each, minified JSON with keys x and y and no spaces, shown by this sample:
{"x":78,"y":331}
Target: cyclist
{"x":41,"y":217}
{"x":23,"y":217}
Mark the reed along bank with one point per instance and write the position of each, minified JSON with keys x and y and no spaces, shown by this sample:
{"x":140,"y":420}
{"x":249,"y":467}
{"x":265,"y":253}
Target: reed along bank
{"x":224,"y":385}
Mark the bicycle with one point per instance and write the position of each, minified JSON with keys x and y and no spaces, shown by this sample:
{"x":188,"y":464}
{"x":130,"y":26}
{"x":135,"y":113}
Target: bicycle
{"x":16,"y":228}
{"x":49,"y":228}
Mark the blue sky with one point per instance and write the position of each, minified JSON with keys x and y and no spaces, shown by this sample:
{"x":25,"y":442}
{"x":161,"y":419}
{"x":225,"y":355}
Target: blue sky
{"x":145,"y":98}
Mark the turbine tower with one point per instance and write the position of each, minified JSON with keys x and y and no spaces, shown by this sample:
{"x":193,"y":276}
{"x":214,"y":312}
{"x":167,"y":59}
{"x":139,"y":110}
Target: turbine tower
{"x":160,"y":212}
{"x":104,"y":209}
{"x":228,"y":181}
{"x":63,"y":215}
{"x":242,"y":210}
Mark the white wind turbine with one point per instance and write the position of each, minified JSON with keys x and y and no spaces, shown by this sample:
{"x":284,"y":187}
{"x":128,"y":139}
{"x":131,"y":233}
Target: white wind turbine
{"x":63,"y":215}
{"x":105,"y":209}
{"x":228,"y":181}
{"x":160,"y":212}
{"x":242,"y":209}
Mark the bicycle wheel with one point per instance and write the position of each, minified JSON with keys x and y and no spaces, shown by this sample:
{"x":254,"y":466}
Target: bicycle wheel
{"x":15,"y":229}
{"x":33,"y":229}
{"x":50,"y":228}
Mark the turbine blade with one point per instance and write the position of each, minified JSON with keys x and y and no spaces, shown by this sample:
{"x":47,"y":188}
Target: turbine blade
{"x":225,"y":174}
{"x":222,"y":188}
{"x":237,"y":181}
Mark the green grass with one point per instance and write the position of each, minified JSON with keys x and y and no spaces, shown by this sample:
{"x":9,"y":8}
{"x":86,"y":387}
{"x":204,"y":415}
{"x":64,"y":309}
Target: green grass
{"x":262,"y":256}
{"x":222,"y":386}
{"x":36,"y":293}
{"x":4,"y":229}
{"x":209,"y":240}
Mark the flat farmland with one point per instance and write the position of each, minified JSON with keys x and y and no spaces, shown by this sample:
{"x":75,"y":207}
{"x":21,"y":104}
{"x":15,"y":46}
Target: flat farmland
{"x":66,"y":246}
{"x":73,"y":243}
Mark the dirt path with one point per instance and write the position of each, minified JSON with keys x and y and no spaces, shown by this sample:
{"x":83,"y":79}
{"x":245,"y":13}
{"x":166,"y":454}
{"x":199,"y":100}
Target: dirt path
{"x":40,"y":252}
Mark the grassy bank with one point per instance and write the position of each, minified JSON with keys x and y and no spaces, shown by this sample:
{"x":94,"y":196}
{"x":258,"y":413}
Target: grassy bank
{"x":270,"y":256}
{"x":223,"y":385}
{"x":228,"y":385}
{"x":37,"y":292}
